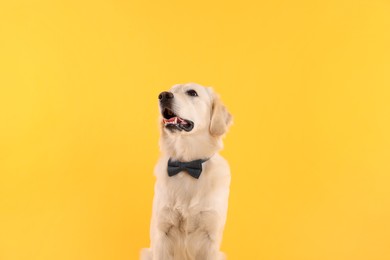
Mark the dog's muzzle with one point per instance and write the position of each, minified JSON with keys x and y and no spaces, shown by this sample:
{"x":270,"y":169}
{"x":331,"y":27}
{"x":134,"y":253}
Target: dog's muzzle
{"x":170,"y":119}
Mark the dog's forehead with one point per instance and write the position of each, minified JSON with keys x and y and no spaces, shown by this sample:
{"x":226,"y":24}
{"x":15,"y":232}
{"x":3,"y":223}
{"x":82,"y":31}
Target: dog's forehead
{"x":184,"y":87}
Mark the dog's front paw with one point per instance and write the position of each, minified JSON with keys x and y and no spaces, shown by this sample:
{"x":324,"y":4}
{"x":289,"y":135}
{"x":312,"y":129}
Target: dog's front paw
{"x":146,"y":254}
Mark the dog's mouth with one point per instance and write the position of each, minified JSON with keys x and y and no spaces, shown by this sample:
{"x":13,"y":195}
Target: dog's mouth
{"x":173,"y":121}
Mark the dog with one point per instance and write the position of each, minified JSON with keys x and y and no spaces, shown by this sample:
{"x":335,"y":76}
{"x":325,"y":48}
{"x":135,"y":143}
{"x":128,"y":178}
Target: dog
{"x":192,"y":180}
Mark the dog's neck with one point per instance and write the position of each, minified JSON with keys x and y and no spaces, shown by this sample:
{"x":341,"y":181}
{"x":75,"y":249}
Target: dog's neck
{"x":190,"y":147}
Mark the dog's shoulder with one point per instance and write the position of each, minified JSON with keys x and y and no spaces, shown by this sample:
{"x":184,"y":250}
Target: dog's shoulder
{"x":161,"y":166}
{"x":218,"y":164}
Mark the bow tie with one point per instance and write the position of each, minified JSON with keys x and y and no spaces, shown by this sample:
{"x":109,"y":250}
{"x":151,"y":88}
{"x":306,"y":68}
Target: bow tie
{"x":193,"y":168}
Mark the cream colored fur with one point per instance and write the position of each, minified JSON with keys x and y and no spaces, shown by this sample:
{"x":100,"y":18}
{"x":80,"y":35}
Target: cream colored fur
{"x":189,"y":214}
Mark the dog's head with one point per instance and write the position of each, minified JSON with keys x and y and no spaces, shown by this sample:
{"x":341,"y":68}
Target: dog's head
{"x":188,"y":109}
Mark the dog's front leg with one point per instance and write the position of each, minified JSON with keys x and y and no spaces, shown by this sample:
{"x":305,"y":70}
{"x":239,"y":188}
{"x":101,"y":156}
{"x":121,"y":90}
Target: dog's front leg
{"x":163,"y":248}
{"x":204,"y":236}
{"x":168,"y":236}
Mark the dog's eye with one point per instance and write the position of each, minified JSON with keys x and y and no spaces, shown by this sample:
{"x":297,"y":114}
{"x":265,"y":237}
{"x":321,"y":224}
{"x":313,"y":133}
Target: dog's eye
{"x":192,"y":93}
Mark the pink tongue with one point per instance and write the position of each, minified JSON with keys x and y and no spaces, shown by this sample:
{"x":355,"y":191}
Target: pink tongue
{"x":170,"y":120}
{"x":174,"y":120}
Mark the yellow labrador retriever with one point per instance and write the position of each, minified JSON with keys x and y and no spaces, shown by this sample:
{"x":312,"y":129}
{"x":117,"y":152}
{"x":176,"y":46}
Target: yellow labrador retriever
{"x":192,"y":179}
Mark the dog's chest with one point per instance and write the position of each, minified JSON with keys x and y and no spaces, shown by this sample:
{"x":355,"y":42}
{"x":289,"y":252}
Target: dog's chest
{"x":183,"y":191}
{"x":184,"y":187}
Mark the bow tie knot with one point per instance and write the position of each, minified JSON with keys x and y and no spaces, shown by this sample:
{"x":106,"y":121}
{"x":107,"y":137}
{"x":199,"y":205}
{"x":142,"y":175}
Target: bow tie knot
{"x":193,"y":168}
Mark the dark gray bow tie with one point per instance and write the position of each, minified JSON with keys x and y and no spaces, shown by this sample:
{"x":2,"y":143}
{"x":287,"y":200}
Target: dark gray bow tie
{"x":193,"y":168}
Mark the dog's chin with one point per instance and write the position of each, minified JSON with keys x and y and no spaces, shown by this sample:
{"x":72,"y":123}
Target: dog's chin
{"x":180,"y":128}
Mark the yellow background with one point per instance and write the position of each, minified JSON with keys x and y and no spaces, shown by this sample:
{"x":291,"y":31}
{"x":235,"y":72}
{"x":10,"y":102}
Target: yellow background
{"x":308,"y":83}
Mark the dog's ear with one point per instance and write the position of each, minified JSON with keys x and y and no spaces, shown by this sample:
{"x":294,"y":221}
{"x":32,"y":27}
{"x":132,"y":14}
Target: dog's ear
{"x":221,"y":119}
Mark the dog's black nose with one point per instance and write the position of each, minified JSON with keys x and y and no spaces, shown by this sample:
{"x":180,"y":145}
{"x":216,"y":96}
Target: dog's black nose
{"x":165,"y":96}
